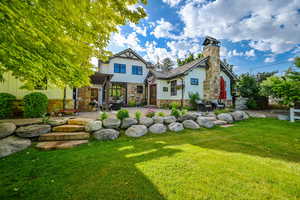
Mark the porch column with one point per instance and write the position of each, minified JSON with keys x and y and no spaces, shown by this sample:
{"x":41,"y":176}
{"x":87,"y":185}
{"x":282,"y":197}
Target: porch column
{"x":148,"y":94}
{"x":107,"y":86}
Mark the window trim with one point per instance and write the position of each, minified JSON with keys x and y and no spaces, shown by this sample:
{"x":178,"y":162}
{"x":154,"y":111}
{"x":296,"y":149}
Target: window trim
{"x":137,"y":70}
{"x":194,"y":83}
{"x":173,"y":88}
{"x":119,"y":68}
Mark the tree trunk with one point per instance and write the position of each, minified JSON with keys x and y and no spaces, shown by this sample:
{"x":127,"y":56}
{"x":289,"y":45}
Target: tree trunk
{"x":64,"y":99}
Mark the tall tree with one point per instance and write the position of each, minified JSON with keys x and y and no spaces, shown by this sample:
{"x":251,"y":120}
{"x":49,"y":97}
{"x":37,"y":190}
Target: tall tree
{"x":191,"y":57}
{"x":55,"y":40}
{"x":167,"y":64}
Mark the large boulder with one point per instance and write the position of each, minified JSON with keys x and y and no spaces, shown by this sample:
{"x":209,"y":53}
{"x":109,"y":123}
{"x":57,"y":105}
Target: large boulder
{"x":32,"y":130}
{"x":158,"y":128}
{"x":190,"y":124}
{"x":57,"y":122}
{"x":239,"y":115}
{"x":256,"y":115}
{"x":93,"y":126}
{"x":211,"y":114}
{"x":147,"y":121}
{"x":169,"y":119}
{"x":111,"y":123}
{"x":158,"y":120}
{"x":13,"y":144}
{"x":188,"y":116}
{"x":219,"y":122}
{"x":205,"y":122}
{"x":136,"y":131}
{"x":175,"y":126}
{"x":106,"y":134}
{"x":79,"y":121}
{"x":7,"y":129}
{"x":127,"y":122}
{"x":225,"y":117}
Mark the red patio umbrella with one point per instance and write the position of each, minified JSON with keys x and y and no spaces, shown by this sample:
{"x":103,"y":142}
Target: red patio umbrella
{"x":222,"y":89}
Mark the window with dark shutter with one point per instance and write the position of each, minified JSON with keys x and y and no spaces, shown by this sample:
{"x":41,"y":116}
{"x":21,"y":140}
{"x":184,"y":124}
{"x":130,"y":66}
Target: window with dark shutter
{"x":194,"y":81}
{"x":173,"y":88}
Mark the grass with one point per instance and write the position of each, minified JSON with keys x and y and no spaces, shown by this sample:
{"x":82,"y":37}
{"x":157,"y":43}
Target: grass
{"x":255,"y":159}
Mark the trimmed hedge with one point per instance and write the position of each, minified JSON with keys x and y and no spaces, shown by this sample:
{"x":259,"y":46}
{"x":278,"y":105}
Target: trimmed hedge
{"x":35,"y":104}
{"x":6,"y":105}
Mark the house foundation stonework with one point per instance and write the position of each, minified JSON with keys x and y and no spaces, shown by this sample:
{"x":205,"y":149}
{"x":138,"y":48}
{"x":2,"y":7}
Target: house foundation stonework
{"x":166,"y":103}
{"x":136,"y":93}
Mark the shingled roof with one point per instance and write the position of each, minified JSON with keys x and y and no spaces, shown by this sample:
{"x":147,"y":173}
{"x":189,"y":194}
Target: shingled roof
{"x":200,"y":62}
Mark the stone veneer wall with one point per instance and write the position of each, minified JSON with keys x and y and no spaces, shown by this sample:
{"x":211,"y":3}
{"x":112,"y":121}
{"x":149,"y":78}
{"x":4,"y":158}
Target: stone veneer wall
{"x":84,"y":97}
{"x":166,"y":102}
{"x":54,"y":105}
{"x":211,"y":84}
{"x":133,"y":95}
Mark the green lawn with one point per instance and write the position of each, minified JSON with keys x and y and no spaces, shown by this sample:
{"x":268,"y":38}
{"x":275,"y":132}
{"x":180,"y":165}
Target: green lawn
{"x":255,"y":159}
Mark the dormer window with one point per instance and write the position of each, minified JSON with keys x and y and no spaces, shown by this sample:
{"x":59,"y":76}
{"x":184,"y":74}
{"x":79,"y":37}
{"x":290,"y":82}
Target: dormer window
{"x":137,"y":70}
{"x":119,"y":68}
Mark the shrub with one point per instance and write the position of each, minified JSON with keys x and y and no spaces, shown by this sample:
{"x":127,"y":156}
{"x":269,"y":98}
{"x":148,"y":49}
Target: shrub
{"x":184,"y":111}
{"x":122,"y":114}
{"x":176,"y":112}
{"x":174,"y":105}
{"x":138,"y":115}
{"x":251,"y":104}
{"x":6,"y":105}
{"x":103,"y":116}
{"x":132,"y":103}
{"x":193,"y":98}
{"x":161,"y":114}
{"x":150,"y":113}
{"x":226,"y":110}
{"x":35,"y":104}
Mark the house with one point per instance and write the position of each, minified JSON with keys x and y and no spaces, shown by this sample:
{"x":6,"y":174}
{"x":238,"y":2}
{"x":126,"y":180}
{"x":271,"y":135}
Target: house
{"x":208,"y":76}
{"x":55,"y":95}
{"x":129,"y":71}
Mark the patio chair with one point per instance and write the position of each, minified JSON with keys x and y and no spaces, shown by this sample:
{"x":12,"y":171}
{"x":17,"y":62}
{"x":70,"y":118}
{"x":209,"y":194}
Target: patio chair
{"x":217,"y":105}
{"x":203,"y":106}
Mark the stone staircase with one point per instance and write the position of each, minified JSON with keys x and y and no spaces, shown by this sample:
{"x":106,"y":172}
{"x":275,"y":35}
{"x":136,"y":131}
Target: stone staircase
{"x":65,"y":136}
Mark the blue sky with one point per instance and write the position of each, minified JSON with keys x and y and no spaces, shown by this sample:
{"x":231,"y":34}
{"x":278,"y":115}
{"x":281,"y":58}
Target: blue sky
{"x":256,"y":35}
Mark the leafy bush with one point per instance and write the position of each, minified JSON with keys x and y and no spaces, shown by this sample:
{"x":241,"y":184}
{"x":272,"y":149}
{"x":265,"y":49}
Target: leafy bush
{"x":226,"y":110}
{"x":103,"y":116}
{"x":174,"y":105}
{"x":35,"y":104}
{"x":193,"y":98}
{"x":132,"y":103}
{"x":150,"y":113}
{"x":122,"y":114}
{"x":251,"y":104}
{"x":184,"y":111}
{"x":176,"y":112}
{"x":6,"y":105}
{"x":161,"y":114}
{"x":138,"y":115}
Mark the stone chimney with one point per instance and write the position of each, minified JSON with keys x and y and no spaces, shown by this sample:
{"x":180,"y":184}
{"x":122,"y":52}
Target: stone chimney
{"x":212,"y":82}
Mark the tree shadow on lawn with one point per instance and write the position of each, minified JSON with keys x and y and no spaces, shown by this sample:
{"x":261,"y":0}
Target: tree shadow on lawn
{"x":99,"y":170}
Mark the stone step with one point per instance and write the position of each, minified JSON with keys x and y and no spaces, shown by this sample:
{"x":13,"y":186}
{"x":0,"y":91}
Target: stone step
{"x":60,"y":144}
{"x":55,"y":136}
{"x":78,"y":121}
{"x":68,"y":128}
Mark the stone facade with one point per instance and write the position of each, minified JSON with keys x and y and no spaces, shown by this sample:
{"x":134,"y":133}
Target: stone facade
{"x":133,"y":95}
{"x":54,"y":105}
{"x":165,"y":103}
{"x":212,"y":82}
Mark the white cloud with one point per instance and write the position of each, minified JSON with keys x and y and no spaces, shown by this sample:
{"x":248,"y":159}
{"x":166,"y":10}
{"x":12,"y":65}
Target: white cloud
{"x":163,"y":29}
{"x":270,"y":59}
{"x":269,"y":25}
{"x":291,"y":59}
{"x":122,"y":41}
{"x":138,"y":29}
{"x":172,"y":3}
{"x":250,"y":53}
{"x":154,"y":53}
{"x":235,"y":53}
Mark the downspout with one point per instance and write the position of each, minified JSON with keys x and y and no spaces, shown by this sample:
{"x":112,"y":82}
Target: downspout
{"x":182,"y":91}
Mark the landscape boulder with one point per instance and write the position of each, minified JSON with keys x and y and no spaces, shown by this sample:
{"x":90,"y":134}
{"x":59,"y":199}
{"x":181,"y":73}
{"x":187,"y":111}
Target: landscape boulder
{"x":158,"y":120}
{"x":7,"y":129}
{"x":32,"y":130}
{"x":169,"y":119}
{"x":13,"y":144}
{"x":190,"y":124}
{"x":219,"y":122}
{"x":158,"y":128}
{"x":136,"y":131}
{"x":93,"y":126}
{"x":127,"y":122}
{"x":225,"y":117}
{"x":188,"y":116}
{"x":106,"y":134}
{"x":205,"y":122}
{"x":57,"y":122}
{"x":175,"y":126}
{"x":256,"y":115}
{"x":147,"y":121}
{"x":111,"y":123}
{"x":239,"y":115}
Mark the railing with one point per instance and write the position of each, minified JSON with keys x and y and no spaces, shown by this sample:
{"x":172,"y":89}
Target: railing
{"x":293,"y":115}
